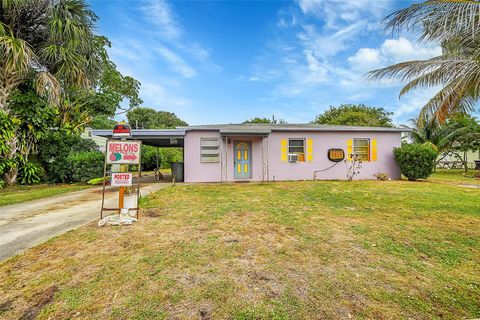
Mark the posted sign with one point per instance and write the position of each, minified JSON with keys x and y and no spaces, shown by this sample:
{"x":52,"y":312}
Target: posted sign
{"x":121,"y":179}
{"x":123,"y":152}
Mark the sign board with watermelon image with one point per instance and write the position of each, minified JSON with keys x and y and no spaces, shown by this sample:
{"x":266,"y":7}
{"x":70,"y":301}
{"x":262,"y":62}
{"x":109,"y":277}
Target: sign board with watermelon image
{"x":123,"y":152}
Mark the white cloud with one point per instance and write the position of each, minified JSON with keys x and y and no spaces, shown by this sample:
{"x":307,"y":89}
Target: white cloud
{"x":330,"y":44}
{"x":365,"y":59}
{"x":159,"y":13}
{"x":177,"y":63}
{"x":402,"y":49}
{"x":336,"y":13}
{"x":392,"y":51}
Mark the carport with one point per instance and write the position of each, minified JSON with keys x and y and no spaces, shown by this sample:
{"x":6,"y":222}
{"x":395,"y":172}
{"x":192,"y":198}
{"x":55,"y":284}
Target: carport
{"x":160,"y":138}
{"x":151,"y":137}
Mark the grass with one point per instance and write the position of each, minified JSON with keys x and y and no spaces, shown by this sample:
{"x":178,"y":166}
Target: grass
{"x":19,"y":193}
{"x":455,"y":176}
{"x":285,"y":250}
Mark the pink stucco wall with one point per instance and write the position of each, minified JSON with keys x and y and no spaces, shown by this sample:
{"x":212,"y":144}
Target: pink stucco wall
{"x":195,"y":171}
{"x":322,"y":141}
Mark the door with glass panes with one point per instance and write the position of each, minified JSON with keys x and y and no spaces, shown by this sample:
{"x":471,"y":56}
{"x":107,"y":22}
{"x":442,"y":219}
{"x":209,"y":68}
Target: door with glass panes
{"x":243,"y":159}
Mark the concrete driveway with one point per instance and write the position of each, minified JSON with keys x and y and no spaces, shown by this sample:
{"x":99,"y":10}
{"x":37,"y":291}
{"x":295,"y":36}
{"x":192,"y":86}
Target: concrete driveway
{"x":26,"y":224}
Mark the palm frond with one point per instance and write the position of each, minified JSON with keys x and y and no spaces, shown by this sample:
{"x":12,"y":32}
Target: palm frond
{"x":453,"y":98}
{"x":437,"y":20}
{"x":47,"y":85}
{"x":444,"y":72}
{"x":17,"y":56}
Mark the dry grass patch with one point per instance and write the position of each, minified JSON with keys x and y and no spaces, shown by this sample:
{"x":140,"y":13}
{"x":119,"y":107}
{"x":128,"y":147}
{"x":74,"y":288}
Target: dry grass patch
{"x":291,"y":250}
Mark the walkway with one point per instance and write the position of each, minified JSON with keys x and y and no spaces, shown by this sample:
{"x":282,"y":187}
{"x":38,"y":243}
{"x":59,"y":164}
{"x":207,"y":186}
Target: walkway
{"x":24,"y":225}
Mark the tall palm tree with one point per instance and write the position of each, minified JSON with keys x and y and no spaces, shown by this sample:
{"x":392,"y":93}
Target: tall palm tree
{"x":455,"y":25}
{"x":49,"y":42}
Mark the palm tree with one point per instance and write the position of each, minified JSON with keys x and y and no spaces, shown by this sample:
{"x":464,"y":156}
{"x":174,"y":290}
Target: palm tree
{"x":442,"y":136}
{"x":455,"y":25}
{"x":446,"y":136}
{"x":49,"y":42}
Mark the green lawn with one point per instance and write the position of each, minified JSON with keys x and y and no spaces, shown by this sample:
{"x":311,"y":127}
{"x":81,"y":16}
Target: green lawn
{"x":285,"y":250}
{"x":455,"y":176}
{"x":16,"y":194}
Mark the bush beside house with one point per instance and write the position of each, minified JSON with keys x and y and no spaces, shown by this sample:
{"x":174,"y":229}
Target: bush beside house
{"x":416,"y":161}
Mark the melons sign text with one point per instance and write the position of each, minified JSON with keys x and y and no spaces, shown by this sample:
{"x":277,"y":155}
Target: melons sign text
{"x":123,"y":152}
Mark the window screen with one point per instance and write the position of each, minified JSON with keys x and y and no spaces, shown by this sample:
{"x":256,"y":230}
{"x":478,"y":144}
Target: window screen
{"x":209,"y":150}
{"x":297,"y":146}
{"x":361,"y":147}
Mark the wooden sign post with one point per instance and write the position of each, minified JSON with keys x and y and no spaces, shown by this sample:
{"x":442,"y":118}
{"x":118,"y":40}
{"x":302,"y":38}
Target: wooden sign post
{"x":120,"y":154}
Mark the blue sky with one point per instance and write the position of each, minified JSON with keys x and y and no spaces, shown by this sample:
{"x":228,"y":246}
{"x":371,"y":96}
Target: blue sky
{"x":225,"y":61}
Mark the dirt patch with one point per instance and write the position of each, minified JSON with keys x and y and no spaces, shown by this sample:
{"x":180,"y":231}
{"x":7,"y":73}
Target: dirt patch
{"x":5,"y":306}
{"x":475,"y":186}
{"x":150,"y":213}
{"x":42,"y":299}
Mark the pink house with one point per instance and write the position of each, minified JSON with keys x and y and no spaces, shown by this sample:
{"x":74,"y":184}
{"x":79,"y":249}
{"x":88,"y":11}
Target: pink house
{"x":261,"y":152}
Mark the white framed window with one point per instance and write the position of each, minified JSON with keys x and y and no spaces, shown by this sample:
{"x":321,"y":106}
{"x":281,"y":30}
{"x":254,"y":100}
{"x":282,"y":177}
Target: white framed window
{"x":297,"y":146}
{"x":361,"y":147}
{"x":209,"y":150}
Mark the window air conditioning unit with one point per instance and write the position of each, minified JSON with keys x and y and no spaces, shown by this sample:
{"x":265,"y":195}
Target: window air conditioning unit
{"x":293,"y":158}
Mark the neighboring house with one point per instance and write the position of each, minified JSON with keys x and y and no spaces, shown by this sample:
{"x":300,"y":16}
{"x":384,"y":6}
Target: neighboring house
{"x":260,"y":152}
{"x":99,"y":141}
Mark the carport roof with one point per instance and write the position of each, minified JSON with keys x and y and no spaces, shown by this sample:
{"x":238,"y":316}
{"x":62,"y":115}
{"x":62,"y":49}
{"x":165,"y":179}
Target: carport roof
{"x":152,"y":137}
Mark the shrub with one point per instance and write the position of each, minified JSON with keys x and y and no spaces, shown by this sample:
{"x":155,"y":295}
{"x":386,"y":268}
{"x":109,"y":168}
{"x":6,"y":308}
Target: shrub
{"x":30,"y":173}
{"x":54,"y":151}
{"x":382,"y":176}
{"x":416,"y":161}
{"x":85,"y":166}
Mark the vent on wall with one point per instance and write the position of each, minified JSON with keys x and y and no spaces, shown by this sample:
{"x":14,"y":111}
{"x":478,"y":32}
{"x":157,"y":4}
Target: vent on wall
{"x":293,"y":158}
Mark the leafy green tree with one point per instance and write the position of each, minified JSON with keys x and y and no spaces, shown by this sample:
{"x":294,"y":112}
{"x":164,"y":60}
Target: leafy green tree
{"x":469,"y":140}
{"x":54,"y":152}
{"x":102,"y":122}
{"x":454,"y":25}
{"x":355,"y":115}
{"x":259,"y":120}
{"x":266,"y":120}
{"x":148,"y":118}
{"x":105,"y":98}
{"x":49,"y":43}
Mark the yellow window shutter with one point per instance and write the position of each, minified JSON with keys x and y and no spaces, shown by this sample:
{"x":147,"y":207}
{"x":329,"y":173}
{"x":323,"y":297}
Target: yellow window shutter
{"x":309,"y":149}
{"x":349,"y":149}
{"x":284,"y":153}
{"x":374,"y":150}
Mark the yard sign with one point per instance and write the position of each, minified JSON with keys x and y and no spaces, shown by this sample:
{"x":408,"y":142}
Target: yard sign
{"x":123,"y":152}
{"x":122,"y":179}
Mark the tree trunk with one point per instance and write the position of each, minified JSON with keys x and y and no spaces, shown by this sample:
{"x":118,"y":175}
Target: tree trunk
{"x":7,"y":86}
{"x":10,"y":176}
